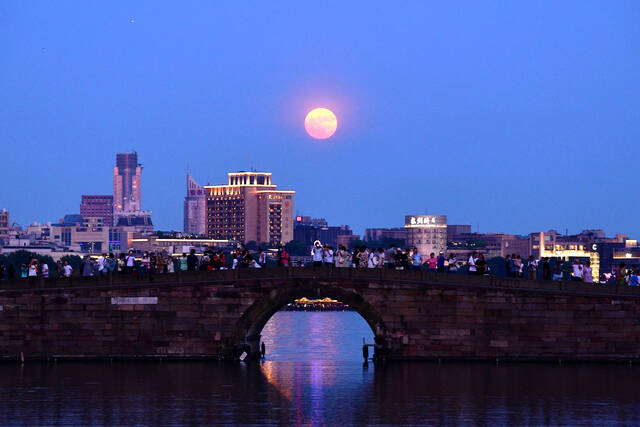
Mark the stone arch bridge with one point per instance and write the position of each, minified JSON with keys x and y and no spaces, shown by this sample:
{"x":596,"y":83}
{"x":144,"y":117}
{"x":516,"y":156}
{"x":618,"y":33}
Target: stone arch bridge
{"x":413,"y":315}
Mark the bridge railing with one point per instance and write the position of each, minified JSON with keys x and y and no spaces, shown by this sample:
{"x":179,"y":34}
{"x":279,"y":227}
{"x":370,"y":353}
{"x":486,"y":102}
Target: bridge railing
{"x":388,"y":277}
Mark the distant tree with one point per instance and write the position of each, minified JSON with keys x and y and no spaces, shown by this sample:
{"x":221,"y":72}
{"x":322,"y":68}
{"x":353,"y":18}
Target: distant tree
{"x":383,"y":243}
{"x":18,"y":258}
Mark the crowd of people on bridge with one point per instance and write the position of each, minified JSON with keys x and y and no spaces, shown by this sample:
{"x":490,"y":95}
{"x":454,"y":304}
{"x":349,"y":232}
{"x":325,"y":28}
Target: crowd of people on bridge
{"x":394,"y":258}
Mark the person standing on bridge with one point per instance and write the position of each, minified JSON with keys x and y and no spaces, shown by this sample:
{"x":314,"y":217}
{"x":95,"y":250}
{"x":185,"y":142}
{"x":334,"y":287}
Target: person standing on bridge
{"x":587,"y":272}
{"x":86,"y":267}
{"x":532,"y":268}
{"x":67,"y":269}
{"x":131,"y":262}
{"x":416,"y":260}
{"x":440,"y":263}
{"x":481,"y":265}
{"x":578,"y":271}
{"x":472,"y":263}
{"x":59,"y":269}
{"x":517,"y":266}
{"x":44,"y":269}
{"x":546,"y":269}
{"x":557,"y":270}
{"x":453,"y":263}
{"x":363,"y":257}
{"x":342,"y":257}
{"x":316,"y":254}
{"x":327,"y":256}
{"x":262,"y":258}
{"x":432,"y":262}
{"x":390,"y":257}
{"x":192,"y":260}
{"x":284,"y":257}
{"x":183,"y":262}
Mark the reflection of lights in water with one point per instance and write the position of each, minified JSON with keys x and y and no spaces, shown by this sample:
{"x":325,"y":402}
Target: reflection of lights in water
{"x":305,"y":351}
{"x":281,"y":375}
{"x":317,"y":387}
{"x":306,"y":336}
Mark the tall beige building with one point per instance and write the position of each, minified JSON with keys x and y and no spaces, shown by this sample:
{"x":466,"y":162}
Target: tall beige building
{"x":428,"y":233}
{"x":4,"y":225}
{"x":250,"y":208}
{"x":195,"y":208}
{"x":127,"y":177}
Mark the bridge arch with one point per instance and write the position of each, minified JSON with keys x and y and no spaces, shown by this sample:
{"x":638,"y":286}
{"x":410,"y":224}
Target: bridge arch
{"x":250,"y":325}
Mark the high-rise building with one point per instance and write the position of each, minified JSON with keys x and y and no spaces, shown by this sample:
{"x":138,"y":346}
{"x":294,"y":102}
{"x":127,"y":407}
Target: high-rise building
{"x":428,"y":233}
{"x":126,"y":182}
{"x":195,"y":208}
{"x":97,"y":206}
{"x":4,"y":225}
{"x":249,"y":208}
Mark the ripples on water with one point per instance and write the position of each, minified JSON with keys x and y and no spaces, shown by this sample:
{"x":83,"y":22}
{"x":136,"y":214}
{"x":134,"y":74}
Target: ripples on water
{"x":332,"y":389}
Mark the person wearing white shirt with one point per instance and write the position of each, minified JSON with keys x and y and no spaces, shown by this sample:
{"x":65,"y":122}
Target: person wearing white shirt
{"x":374,"y":259}
{"x":131,"y":262}
{"x":316,"y":253}
{"x":472,"y":263}
{"x":67,"y":269}
{"x":262,"y":258}
{"x":328,"y":256}
{"x":101,"y":260}
{"x":33,"y":268}
{"x":44,"y":267}
{"x":578,"y":272}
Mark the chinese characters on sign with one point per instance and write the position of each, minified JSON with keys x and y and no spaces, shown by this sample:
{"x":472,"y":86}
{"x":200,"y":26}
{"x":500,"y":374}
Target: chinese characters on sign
{"x":421,"y":220}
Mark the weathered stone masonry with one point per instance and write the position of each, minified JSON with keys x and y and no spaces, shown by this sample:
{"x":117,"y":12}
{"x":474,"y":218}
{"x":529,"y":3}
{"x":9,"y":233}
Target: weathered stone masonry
{"x":414,"y":315}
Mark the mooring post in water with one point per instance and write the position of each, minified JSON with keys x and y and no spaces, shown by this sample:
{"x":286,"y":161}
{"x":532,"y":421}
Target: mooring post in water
{"x":263,"y":349}
{"x":365,"y":352}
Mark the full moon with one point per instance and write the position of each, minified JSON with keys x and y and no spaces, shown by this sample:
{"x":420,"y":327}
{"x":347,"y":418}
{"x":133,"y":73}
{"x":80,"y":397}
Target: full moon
{"x":321,"y":123}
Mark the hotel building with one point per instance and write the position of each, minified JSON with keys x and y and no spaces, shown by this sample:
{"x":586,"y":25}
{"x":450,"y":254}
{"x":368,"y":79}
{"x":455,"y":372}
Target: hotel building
{"x":249,"y":208}
{"x":428,"y":233}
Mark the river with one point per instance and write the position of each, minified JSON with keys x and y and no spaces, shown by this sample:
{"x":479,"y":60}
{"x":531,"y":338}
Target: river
{"x":313,"y":375}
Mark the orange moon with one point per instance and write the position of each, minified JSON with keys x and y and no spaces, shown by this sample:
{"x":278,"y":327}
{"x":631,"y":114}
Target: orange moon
{"x":321,"y":123}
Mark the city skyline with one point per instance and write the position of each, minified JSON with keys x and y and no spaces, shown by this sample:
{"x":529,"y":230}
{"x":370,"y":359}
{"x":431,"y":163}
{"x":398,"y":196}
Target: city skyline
{"x":518,"y":118}
{"x":400,"y":223}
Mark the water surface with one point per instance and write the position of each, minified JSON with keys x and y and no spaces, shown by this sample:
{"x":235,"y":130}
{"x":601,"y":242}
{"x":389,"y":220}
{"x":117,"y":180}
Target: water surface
{"x":313,"y":375}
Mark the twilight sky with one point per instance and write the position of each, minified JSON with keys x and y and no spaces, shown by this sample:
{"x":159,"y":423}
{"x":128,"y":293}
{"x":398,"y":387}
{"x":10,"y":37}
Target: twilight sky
{"x":513,"y":117}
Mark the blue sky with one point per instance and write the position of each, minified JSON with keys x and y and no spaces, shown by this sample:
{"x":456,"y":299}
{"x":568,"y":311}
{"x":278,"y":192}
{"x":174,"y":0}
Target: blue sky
{"x":511,"y":116}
